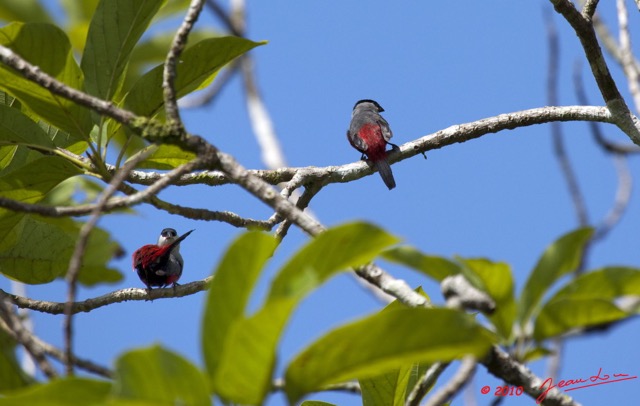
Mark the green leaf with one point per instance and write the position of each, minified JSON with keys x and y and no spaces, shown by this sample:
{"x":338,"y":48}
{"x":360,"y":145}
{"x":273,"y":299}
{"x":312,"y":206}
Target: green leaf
{"x":246,"y":367}
{"x":535,"y":353}
{"x":153,"y":50}
{"x":390,"y":388}
{"x":16,"y":128}
{"x":559,"y":259}
{"x":47,"y":47}
{"x":159,"y":376}
{"x":115,"y":29}
{"x":315,"y":403}
{"x":23,"y":10}
{"x":563,"y":315}
{"x":387,"y":389}
{"x":410,"y":335}
{"x":605,"y":283}
{"x":60,"y":392}
{"x":166,"y":157}
{"x":496,"y":280}
{"x":30,"y":183}
{"x":37,"y":250}
{"x":198,"y":66}
{"x":434,"y":267}
{"x":587,"y":301}
{"x":11,"y":374}
{"x":336,"y":249}
{"x":230,"y":290}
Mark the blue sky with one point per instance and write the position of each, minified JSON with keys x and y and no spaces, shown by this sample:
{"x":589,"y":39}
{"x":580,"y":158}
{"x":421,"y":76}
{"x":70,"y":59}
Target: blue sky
{"x":430,"y":66}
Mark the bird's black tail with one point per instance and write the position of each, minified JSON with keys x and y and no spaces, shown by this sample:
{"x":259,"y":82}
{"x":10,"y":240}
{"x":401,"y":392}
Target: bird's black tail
{"x":385,"y":172}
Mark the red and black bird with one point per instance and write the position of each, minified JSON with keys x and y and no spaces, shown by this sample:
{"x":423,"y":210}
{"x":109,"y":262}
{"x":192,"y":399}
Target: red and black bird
{"x":160,"y":265}
{"x":369,"y":133}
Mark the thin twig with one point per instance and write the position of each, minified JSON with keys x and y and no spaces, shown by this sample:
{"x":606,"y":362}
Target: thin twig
{"x":461,"y":377}
{"x":626,"y":54}
{"x":621,"y":200}
{"x":425,"y":383}
{"x":556,"y":129}
{"x":589,"y":8}
{"x":48,"y":349}
{"x":12,"y":325}
{"x":75,"y":263}
{"x":169,"y":73}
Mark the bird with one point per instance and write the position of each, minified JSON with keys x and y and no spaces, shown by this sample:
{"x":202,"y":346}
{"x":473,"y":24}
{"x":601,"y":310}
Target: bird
{"x":161,"y":264}
{"x":369,"y":133}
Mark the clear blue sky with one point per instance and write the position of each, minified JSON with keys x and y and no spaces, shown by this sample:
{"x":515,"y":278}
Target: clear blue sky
{"x":430,"y":66}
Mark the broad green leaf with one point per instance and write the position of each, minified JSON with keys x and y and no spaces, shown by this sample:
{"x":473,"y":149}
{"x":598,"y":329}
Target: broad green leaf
{"x":153,"y":50}
{"x":246,"y":365}
{"x":563,"y":315}
{"x":230,"y":290}
{"x":560,"y":258}
{"x":100,"y":250}
{"x":391,"y":388}
{"x":47,"y":47}
{"x":29,"y":183}
{"x":410,"y":335}
{"x":336,"y":249}
{"x":60,"y":392}
{"x":434,"y":267}
{"x":23,"y":10}
{"x":245,"y":371}
{"x":497,"y":281}
{"x":160,"y":376}
{"x":198,"y":66}
{"x":387,"y":389}
{"x":315,"y":403}
{"x":11,"y":374}
{"x":115,"y":28}
{"x":79,"y":15}
{"x":605,"y":283}
{"x":535,"y":353}
{"x":587,"y":301}
{"x":166,"y":157}
{"x":16,"y":128}
{"x":37,"y":250}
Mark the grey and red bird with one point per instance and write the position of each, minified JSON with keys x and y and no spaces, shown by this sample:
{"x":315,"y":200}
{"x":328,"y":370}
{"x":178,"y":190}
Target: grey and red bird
{"x":161,"y":264}
{"x":369,"y":133}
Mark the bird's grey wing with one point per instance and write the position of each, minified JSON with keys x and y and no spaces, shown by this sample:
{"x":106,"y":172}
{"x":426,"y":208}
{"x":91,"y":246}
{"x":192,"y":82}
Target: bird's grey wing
{"x":386,"y":130}
{"x":356,"y":141}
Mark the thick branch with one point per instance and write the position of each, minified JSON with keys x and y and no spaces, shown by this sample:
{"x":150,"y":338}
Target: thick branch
{"x":118,"y":296}
{"x":500,"y":364}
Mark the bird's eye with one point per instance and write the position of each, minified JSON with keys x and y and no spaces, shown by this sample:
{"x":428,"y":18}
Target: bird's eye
{"x":168,"y":233}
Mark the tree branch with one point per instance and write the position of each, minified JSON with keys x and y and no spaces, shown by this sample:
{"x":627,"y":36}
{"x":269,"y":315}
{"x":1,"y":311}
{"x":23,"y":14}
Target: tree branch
{"x":169,"y":73}
{"x":33,"y":73}
{"x":462,"y":376}
{"x":13,"y":326}
{"x":118,"y":296}
{"x":587,"y":36}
